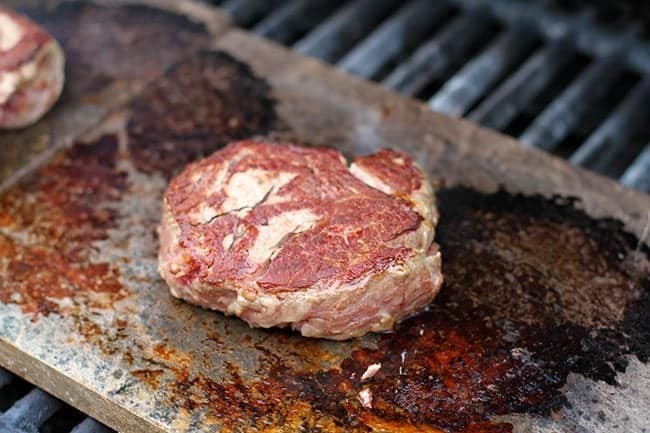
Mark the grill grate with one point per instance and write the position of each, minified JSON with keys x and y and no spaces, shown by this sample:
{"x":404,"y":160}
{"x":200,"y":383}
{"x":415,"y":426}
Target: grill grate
{"x":329,"y":40}
{"x":560,"y":81}
{"x":29,"y":410}
{"x":465,"y":88}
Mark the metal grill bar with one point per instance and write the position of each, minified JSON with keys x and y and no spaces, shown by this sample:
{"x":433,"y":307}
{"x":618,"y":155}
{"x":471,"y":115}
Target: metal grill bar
{"x":30,"y":413}
{"x":511,"y":97}
{"x":32,"y":410}
{"x":294,"y":17}
{"x":562,"y":115}
{"x":625,"y":120}
{"x":329,"y":40}
{"x":472,"y":81}
{"x":405,"y":28}
{"x":89,"y":425}
{"x":245,"y":12}
{"x":5,"y":378}
{"x":638,"y":174}
{"x":437,"y":56}
{"x":579,"y":30}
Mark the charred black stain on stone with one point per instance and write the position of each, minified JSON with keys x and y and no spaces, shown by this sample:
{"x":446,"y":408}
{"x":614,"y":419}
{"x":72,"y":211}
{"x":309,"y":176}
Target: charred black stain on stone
{"x":636,"y":326}
{"x":534,"y":290}
{"x":199,"y":105}
{"x":583,"y":288}
{"x":104,"y":44}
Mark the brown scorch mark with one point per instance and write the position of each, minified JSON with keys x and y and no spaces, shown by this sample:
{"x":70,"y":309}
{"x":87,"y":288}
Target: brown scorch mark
{"x":198,"y":106}
{"x":58,"y":212}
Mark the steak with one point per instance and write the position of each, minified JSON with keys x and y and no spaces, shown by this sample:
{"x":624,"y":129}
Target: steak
{"x":31,"y":70}
{"x":284,"y":235}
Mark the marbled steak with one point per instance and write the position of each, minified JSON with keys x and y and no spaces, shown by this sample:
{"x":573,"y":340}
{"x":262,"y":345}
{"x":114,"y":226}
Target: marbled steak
{"x":284,"y":235}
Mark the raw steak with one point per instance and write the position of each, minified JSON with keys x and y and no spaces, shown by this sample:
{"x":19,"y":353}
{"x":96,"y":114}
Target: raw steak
{"x":284,"y":235}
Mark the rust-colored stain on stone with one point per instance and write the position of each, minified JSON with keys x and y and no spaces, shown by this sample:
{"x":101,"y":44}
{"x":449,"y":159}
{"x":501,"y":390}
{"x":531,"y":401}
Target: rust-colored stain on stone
{"x":59,"y":211}
{"x":37,"y":287}
{"x":67,"y":203}
{"x":150,"y":377}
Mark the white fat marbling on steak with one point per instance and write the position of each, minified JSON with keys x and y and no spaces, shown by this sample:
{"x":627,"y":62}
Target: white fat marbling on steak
{"x":10,"y":32}
{"x":227,"y":241}
{"x":270,"y":235}
{"x":248,"y":188}
{"x":420,"y":198}
{"x":11,"y":81}
{"x":369,"y":179}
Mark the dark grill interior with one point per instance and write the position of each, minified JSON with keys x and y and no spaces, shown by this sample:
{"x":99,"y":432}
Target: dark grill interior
{"x":25,"y":409}
{"x":565,"y":76}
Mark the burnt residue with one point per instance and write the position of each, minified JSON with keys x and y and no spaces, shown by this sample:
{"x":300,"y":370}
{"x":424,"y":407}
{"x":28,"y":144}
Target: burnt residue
{"x":55,"y":215}
{"x":235,"y":402}
{"x":66,"y":204}
{"x":636,"y":327}
{"x":35,"y":278}
{"x":199,"y":105}
{"x":534,"y":290}
{"x":108,"y":44}
{"x":541,"y":261}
